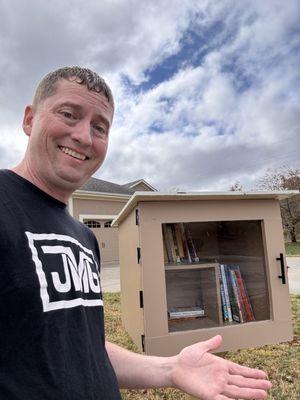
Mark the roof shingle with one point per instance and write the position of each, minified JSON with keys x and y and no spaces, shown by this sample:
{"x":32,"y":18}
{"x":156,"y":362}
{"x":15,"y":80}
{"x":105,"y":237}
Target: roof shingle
{"x":98,"y":185}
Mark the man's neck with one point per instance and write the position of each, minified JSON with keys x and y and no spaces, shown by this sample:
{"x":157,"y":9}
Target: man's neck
{"x":25,"y":172}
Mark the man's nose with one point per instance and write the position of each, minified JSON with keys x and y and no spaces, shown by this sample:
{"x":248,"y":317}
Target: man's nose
{"x":82,"y":133}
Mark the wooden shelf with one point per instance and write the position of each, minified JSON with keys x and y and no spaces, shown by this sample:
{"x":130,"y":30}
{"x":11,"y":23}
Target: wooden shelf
{"x":192,"y":324}
{"x":179,"y":267}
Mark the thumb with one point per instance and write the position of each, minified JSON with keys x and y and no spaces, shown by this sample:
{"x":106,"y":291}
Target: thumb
{"x":212,"y":343}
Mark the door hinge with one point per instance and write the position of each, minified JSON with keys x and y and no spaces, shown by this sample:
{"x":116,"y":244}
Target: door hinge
{"x":143,"y":342}
{"x":137,"y":216}
{"x":138,"y":250}
{"x":141,"y":299}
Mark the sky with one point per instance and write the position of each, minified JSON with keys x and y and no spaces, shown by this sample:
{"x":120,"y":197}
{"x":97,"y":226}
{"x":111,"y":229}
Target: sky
{"x":207,"y":92}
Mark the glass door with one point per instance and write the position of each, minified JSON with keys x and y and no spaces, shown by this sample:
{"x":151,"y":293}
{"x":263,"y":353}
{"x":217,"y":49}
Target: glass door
{"x":215,"y":274}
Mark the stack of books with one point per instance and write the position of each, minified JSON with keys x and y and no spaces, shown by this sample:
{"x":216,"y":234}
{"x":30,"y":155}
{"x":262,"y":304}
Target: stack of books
{"x":234,"y":297}
{"x":178,"y":244}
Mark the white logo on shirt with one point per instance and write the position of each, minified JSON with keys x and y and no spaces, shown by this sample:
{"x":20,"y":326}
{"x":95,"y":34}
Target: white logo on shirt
{"x":67,"y":271}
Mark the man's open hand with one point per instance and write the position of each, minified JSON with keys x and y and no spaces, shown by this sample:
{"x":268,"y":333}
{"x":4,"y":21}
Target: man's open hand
{"x":209,"y":377}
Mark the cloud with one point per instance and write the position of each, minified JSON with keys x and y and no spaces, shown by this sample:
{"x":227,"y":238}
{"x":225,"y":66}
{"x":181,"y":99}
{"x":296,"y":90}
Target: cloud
{"x":12,"y":145}
{"x":109,"y":36}
{"x":225,"y":110}
{"x":207,"y":126}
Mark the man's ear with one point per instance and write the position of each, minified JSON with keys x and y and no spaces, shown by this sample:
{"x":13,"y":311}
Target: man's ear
{"x":28,"y":120}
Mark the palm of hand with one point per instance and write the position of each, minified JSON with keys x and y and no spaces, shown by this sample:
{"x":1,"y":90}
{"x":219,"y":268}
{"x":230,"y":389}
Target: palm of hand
{"x":212,"y":378}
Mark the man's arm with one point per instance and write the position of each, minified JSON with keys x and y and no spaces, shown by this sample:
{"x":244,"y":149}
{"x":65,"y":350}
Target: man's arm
{"x":194,"y":370}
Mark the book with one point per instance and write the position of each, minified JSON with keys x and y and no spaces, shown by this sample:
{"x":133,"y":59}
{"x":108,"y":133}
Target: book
{"x":171,"y":243}
{"x":249,"y":316}
{"x":175,"y":244}
{"x":226,"y":284}
{"x":223,"y":300}
{"x":166,"y":259}
{"x":187,"y":255}
{"x":179,"y":242}
{"x":186,"y":312}
{"x":236,"y":299}
{"x":190,"y":244}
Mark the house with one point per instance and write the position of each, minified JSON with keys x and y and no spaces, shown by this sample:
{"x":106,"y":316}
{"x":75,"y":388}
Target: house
{"x":97,"y":203}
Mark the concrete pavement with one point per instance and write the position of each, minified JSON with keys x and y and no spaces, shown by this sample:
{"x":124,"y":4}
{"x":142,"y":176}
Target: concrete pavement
{"x":294,"y":274}
{"x":110,"y":276}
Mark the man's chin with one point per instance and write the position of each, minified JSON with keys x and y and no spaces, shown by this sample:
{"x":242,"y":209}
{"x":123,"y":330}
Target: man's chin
{"x":73,"y":181}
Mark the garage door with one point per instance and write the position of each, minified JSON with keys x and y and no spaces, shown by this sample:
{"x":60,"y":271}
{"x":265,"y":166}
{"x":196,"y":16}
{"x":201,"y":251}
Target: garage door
{"x":107,"y":238}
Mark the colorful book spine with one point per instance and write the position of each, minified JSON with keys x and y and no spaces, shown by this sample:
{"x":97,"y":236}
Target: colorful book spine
{"x":179,"y":242}
{"x":190,"y":244}
{"x":244,"y":295}
{"x":170,"y":240}
{"x":231,"y":294}
{"x":223,"y":300}
{"x":175,"y":243}
{"x":237,"y":304}
{"x":226,"y":293}
{"x":166,"y":260}
{"x":187,"y":255}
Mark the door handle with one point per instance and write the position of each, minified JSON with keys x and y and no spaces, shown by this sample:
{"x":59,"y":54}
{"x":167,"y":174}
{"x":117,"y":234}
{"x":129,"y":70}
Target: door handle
{"x":282,"y":276}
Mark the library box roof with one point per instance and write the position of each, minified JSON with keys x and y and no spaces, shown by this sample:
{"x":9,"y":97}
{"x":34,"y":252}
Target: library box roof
{"x":191,"y":196}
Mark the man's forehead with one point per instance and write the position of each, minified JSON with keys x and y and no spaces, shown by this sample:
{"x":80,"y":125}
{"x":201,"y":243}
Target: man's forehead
{"x":65,"y":86}
{"x":73,"y":93}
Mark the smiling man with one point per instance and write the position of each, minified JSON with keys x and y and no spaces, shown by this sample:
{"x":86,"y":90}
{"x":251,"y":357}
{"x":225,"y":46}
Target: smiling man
{"x":68,"y":134}
{"x":52,"y":342}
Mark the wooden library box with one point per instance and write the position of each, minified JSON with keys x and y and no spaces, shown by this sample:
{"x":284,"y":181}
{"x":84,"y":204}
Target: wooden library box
{"x":193,"y":265}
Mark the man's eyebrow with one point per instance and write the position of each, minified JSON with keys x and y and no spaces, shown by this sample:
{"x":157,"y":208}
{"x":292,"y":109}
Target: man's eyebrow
{"x":70,"y":104}
{"x":80,"y":108}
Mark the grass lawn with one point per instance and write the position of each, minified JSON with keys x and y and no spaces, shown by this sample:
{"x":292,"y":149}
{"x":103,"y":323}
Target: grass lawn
{"x":292,"y":249}
{"x":281,"y":362}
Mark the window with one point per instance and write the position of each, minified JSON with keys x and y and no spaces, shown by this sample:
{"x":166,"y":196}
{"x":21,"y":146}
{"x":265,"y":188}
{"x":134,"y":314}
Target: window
{"x":92,"y":223}
{"x":107,"y":224}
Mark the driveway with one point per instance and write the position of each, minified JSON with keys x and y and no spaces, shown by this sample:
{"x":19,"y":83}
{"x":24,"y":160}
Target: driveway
{"x":110,"y":276}
{"x":294,"y":274}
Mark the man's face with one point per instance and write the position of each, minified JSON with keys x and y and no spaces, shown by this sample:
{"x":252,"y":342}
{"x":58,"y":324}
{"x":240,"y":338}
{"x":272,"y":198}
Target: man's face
{"x":68,"y":136}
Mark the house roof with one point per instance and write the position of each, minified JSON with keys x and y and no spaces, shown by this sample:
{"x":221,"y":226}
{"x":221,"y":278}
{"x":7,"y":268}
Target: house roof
{"x":129,"y":184}
{"x":137,"y":182}
{"x":98,"y":185}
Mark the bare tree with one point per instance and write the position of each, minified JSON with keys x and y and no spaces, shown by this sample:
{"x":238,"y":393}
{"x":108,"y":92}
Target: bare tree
{"x":236,"y":187}
{"x":285,"y":178}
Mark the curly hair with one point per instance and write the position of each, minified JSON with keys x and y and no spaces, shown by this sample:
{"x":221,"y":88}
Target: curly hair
{"x":83,"y":76}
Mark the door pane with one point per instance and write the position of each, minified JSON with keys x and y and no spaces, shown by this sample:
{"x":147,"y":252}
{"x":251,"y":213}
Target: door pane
{"x":215,"y":274}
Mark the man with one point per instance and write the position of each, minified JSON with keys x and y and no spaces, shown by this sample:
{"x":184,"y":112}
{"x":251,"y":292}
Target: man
{"x":52,"y":343}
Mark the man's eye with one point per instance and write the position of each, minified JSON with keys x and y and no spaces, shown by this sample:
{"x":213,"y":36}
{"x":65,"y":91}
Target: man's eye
{"x":67,"y":114}
{"x":100,"y":129}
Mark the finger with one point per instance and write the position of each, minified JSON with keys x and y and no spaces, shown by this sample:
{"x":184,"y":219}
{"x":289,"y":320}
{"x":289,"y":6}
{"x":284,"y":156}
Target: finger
{"x":212,"y":343}
{"x":240,"y":381}
{"x":236,"y":392}
{"x":236,"y":369}
{"x":221,"y":397}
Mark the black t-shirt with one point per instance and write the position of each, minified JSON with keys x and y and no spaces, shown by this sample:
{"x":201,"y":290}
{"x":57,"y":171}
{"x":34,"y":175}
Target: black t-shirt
{"x":51,"y":313}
